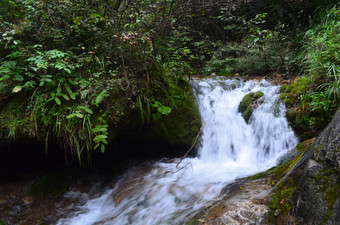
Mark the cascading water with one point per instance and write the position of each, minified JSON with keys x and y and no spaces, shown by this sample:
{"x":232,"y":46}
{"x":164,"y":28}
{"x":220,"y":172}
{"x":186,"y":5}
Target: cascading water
{"x":160,"y":193}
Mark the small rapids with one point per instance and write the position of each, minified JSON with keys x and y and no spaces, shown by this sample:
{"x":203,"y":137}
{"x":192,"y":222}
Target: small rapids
{"x":229,"y":148}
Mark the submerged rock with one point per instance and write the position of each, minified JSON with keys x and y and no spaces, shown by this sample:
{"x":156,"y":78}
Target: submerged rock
{"x":249,"y":103}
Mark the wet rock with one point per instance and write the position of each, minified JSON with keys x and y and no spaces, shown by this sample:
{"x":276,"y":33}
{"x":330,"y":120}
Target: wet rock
{"x":50,"y":186}
{"x":318,"y":194}
{"x":250,"y":102}
{"x":287,"y":157}
{"x":246,"y":202}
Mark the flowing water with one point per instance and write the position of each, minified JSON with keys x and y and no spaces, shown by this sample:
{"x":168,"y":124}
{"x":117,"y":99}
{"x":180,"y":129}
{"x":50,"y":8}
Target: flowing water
{"x":229,"y":148}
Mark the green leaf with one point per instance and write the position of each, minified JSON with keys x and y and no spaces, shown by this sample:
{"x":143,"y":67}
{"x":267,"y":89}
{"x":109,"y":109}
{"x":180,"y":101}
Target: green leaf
{"x":156,"y":104}
{"x":100,"y":97}
{"x":19,"y":78}
{"x":156,"y":116}
{"x":99,"y":138}
{"x":88,"y":110}
{"x":199,"y":43}
{"x":70,"y":116}
{"x":72,"y":82}
{"x":57,"y":100}
{"x":68,"y":89}
{"x":65,"y":97}
{"x":71,"y":93}
{"x":17,"y":89}
{"x":79,"y":115}
{"x":73,"y":96}
{"x":96,"y":146}
{"x":164,"y":110}
{"x":99,"y":129}
{"x":67,"y":70}
{"x":102,"y":148}
{"x":5,"y":77}
{"x":101,"y":119}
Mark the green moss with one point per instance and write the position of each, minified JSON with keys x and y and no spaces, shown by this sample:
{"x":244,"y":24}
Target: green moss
{"x":258,"y":176}
{"x":2,"y":222}
{"x":329,"y":188}
{"x":197,"y":219}
{"x":50,"y":186}
{"x":301,"y":85}
{"x":303,"y":146}
{"x":248,"y":104}
{"x":281,"y":170}
{"x":184,"y":122}
{"x":179,"y":128}
{"x":281,"y":200}
{"x":288,"y":99}
{"x":283,"y":194}
{"x":299,"y":114}
{"x":331,"y":196}
{"x":283,"y":88}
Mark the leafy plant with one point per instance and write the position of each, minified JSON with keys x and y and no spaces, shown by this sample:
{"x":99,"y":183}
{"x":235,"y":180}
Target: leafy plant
{"x":323,"y":62}
{"x":161,"y":110}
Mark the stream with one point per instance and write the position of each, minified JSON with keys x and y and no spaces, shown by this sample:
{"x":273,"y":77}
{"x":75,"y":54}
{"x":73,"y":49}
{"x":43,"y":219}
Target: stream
{"x":229,"y":148}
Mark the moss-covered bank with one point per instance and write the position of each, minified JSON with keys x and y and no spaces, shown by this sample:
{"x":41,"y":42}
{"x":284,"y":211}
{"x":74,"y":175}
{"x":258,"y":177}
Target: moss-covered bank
{"x":164,"y":114}
{"x":306,"y":120}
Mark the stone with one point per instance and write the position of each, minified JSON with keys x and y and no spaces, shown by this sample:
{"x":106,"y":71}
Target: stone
{"x":249,"y":103}
{"x":50,"y":186}
{"x":317,"y":198}
{"x":277,"y":212}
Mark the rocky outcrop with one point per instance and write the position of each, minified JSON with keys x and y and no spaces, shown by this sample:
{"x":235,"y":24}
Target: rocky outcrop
{"x":317,"y":200}
{"x":245,"y":202}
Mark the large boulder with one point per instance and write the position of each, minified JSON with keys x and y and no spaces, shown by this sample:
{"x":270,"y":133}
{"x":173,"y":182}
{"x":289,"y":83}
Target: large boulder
{"x":317,"y":200}
{"x":169,"y":135}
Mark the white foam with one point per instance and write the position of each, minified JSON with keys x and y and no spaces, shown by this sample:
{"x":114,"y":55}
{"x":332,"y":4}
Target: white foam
{"x":230,"y":149}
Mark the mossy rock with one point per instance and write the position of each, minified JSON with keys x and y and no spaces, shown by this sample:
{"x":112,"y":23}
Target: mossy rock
{"x":249,"y":103}
{"x":50,"y":186}
{"x":300,"y":87}
{"x":281,"y":202}
{"x":179,"y":128}
{"x":288,"y":99}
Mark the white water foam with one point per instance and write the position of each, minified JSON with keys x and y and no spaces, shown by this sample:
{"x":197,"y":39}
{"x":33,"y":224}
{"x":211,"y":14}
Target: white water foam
{"x":230,"y":148}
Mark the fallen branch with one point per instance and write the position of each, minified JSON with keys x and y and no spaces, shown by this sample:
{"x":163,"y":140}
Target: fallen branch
{"x":189,"y":163}
{"x":192,"y":146}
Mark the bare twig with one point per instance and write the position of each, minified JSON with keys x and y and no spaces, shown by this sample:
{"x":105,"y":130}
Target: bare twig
{"x":192,"y":146}
{"x":189,"y":163}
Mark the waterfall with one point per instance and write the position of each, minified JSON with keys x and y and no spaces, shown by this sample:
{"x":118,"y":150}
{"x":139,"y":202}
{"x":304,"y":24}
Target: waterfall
{"x":229,"y":148}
